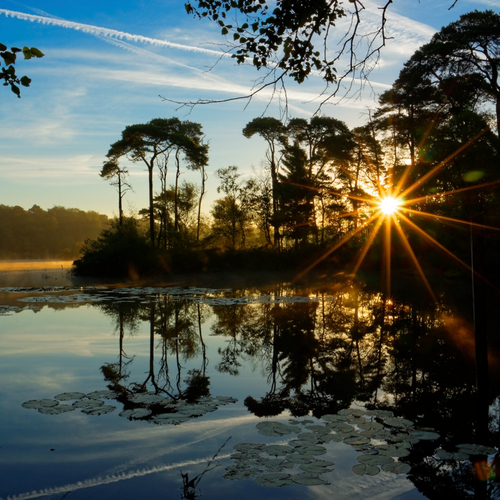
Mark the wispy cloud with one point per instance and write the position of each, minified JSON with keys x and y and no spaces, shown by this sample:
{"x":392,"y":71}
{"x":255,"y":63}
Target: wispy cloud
{"x":97,"y":30}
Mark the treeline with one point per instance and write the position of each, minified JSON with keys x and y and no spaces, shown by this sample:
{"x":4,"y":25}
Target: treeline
{"x":54,"y":233}
{"x":432,"y":143}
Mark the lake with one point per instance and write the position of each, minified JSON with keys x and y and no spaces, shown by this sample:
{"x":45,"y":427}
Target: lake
{"x":275,"y":392}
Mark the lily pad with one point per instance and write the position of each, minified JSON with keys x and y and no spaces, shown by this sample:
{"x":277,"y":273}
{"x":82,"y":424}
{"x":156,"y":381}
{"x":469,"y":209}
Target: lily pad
{"x":278,"y":450}
{"x":370,"y":426}
{"x":147,"y":398}
{"x":136,"y":413}
{"x":312,"y":450}
{"x":273,"y":480}
{"x":68,"y":396}
{"x":101,"y":410}
{"x":276,"y":429}
{"x":56,"y":410}
{"x":398,"y":422}
{"x":308,"y":437}
{"x":365,"y":469}
{"x":104,"y":394}
{"x":444,"y":455}
{"x":374,"y":459}
{"x":356,"y":440}
{"x":320,"y":429}
{"x":88,"y":403}
{"x":170,"y":418}
{"x":334,"y":418}
{"x":393,"y":451}
{"x":36,"y":404}
{"x":425,"y":435}
{"x":299,"y":459}
{"x":240,"y":474}
{"x":248,"y":446}
{"x":396,"y":468}
{"x":308,"y":479}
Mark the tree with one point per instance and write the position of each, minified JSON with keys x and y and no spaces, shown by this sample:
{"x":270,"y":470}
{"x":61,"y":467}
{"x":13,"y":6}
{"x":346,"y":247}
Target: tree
{"x":274,"y":133}
{"x":166,"y":204}
{"x":112,"y":172}
{"x":463,"y":56}
{"x":231,"y":214}
{"x":152,"y":143}
{"x":8,"y":74}
{"x":294,"y":38}
{"x":296,"y":213}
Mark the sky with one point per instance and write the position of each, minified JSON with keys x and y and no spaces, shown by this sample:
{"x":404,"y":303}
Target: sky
{"x":110,"y":64}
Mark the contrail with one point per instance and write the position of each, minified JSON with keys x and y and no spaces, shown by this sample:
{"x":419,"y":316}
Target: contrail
{"x":97,"y":30}
{"x":109,"y":479}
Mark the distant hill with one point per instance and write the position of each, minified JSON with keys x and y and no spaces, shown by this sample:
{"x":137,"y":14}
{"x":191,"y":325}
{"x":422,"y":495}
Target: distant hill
{"x":40,"y":234}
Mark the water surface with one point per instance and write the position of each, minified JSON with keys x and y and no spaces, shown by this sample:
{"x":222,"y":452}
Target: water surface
{"x":174,"y":392}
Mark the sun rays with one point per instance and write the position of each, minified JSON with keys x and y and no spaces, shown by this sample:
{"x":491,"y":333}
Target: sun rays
{"x":397,"y":213}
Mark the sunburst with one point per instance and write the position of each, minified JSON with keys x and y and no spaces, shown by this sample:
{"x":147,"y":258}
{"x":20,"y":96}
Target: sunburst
{"x":391,"y":209}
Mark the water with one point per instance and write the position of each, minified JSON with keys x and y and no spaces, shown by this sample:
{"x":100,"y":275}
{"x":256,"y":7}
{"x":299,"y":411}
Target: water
{"x":190,"y":374}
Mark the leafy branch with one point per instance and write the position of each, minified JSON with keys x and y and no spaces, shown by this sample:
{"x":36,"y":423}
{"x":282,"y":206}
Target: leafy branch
{"x":8,"y":72}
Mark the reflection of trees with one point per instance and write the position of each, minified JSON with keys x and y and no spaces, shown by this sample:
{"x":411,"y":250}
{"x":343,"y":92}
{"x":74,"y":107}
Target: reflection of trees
{"x":320,"y":356}
{"x":437,"y":478}
{"x":126,"y":316}
{"x":175,"y":330}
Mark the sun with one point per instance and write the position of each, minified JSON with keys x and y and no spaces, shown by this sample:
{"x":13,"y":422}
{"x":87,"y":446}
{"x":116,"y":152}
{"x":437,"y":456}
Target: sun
{"x":389,"y":205}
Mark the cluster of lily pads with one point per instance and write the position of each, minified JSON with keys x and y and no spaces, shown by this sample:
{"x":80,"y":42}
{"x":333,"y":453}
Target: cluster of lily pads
{"x":211,"y":296}
{"x":143,"y":406}
{"x":381,"y":439}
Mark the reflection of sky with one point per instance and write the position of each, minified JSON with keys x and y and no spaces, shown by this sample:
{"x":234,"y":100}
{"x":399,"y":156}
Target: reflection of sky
{"x":108,"y":456}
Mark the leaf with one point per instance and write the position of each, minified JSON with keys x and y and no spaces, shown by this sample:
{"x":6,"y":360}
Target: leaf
{"x":9,"y":58}
{"x":40,"y":403}
{"x":15,"y":89}
{"x":396,"y":468}
{"x":362,"y":469}
{"x":99,"y":411}
{"x":224,"y":31}
{"x":273,"y":480}
{"x":308,"y":479}
{"x":67,"y":396}
{"x":36,"y":53}
{"x":27,"y":53}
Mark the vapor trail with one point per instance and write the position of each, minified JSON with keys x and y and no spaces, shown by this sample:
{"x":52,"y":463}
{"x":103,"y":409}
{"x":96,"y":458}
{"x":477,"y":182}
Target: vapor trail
{"x":97,"y":30}
{"x":112,"y":478}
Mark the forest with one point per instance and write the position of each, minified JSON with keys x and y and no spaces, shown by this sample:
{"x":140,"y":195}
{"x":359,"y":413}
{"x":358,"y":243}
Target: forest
{"x":431,"y":145}
{"x":40,"y":234}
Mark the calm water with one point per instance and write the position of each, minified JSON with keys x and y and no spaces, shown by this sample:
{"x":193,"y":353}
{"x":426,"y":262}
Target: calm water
{"x":366,"y":398}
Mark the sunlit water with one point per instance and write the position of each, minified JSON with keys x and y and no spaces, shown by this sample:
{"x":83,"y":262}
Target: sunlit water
{"x":197,"y":381}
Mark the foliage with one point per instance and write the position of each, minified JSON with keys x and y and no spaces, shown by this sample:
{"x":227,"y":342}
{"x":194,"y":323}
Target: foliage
{"x":231,"y":214}
{"x":54,"y":233}
{"x":120,"y":251}
{"x":462,"y":61}
{"x":8,"y":73}
{"x":430,"y":141}
{"x":116,"y":176}
{"x":152,"y":143}
{"x":180,"y":206}
{"x":296,"y":38}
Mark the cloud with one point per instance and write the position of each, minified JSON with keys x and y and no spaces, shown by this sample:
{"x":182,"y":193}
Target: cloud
{"x":54,"y":167}
{"x":97,"y":30}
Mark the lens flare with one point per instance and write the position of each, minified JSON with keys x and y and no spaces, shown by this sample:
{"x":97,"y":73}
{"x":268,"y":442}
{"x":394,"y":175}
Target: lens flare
{"x":389,"y":205}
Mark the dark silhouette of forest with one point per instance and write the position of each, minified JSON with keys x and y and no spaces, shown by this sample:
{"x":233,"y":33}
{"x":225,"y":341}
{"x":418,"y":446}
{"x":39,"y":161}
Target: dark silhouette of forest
{"x":39,"y":234}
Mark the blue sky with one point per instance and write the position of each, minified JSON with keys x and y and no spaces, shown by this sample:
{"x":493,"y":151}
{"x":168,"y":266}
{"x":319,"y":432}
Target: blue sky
{"x":108,"y":62}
